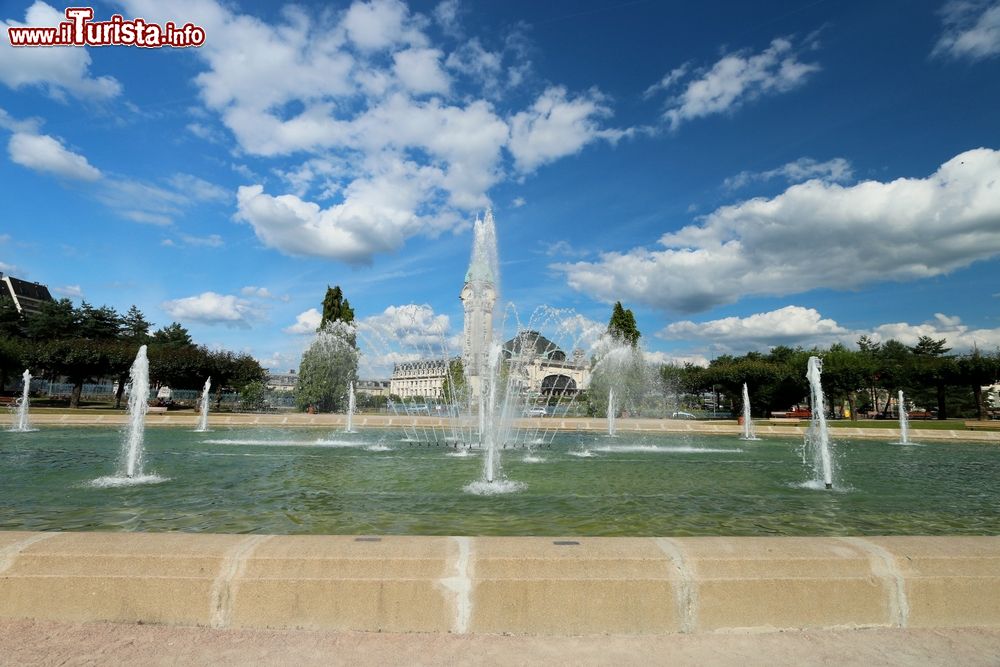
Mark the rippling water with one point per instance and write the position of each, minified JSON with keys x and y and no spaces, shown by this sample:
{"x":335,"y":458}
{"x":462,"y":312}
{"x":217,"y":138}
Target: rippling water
{"x":318,"y":481}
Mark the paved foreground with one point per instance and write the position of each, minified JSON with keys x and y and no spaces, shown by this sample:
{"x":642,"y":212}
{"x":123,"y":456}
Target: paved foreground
{"x":51,"y":643}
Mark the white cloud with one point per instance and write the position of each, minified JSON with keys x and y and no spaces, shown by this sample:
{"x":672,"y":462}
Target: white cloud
{"x":8,"y":268}
{"x":73,"y":291}
{"x":43,"y":153}
{"x":837,"y":170}
{"x":556,"y":126}
{"x":258,"y":292}
{"x":210,"y":241}
{"x":446,"y":14}
{"x":814,"y":235}
{"x":59,"y":70}
{"x":381,"y":24}
{"x":404,"y":333}
{"x":213,"y":308}
{"x":791,"y":325}
{"x":518,"y":202}
{"x":305,"y":323}
{"x":369,"y":98}
{"x":971,"y":30}
{"x":658,"y":358}
{"x":798,"y":326}
{"x":151,"y":204}
{"x":411,"y":326}
{"x":198,"y":189}
{"x":420,"y":71}
{"x":734,"y":80}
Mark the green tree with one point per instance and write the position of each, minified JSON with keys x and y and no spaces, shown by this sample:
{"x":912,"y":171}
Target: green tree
{"x":622,"y":326}
{"x":330,"y":363}
{"x":454,"y":387}
{"x":976,"y":370}
{"x":932,"y":368}
{"x":133,"y":333}
{"x":172,"y":336}
{"x":54,"y":320}
{"x":335,"y":307}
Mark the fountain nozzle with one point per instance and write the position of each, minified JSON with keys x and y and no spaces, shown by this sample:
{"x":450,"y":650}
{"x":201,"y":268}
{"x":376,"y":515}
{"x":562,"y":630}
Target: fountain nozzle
{"x":829,"y":485}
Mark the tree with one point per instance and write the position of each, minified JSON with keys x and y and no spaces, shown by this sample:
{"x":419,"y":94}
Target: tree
{"x":330,"y":363}
{"x":172,"y":336}
{"x":54,"y":319}
{"x":335,"y":307}
{"x":622,"y":325}
{"x":932,"y":367}
{"x":976,"y":370}
{"x":133,"y":333}
{"x":454,"y":387}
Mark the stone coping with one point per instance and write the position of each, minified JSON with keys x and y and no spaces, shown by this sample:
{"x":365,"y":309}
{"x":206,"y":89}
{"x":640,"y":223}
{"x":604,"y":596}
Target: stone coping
{"x":624,"y":426}
{"x":517,"y":585}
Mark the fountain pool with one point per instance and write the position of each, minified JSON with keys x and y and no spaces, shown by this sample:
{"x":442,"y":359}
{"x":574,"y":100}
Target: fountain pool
{"x":292,"y":481}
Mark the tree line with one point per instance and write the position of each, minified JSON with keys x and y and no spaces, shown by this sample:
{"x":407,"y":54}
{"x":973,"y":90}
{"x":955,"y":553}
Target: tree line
{"x":86,"y":343}
{"x":866,"y":379}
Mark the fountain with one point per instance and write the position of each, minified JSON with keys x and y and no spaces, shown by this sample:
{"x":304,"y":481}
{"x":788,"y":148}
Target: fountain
{"x":203,"y":420}
{"x":611,"y":412}
{"x":749,"y":432}
{"x":130,"y":466}
{"x":904,"y":422}
{"x":22,"y":423}
{"x":350,"y":408}
{"x":138,"y":405}
{"x":818,"y":437}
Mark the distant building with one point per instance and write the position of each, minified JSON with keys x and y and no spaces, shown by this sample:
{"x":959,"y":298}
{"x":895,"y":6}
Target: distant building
{"x":373,"y":387}
{"x":27,"y":297}
{"x":541,"y":368}
{"x":283,"y":381}
{"x":419,"y":378}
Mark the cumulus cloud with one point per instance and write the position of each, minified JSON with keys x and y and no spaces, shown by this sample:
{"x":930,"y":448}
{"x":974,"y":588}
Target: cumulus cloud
{"x":798,"y":326}
{"x":419,"y":70}
{"x":555,"y":126}
{"x":971,"y":30}
{"x":412,"y":326}
{"x":59,"y":71}
{"x":47,"y":154}
{"x":737,"y":78}
{"x":212,"y":308}
{"x":813,"y":235}
{"x":258,"y":292}
{"x":791,"y":325}
{"x":837,"y":170}
{"x":370,"y":101}
{"x":305,"y":323}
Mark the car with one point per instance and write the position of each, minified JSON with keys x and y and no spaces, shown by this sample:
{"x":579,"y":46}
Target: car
{"x":682,"y":415}
{"x":536,"y":412}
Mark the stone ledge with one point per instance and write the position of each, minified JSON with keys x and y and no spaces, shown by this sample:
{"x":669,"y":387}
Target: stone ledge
{"x":519,"y":585}
{"x":297,"y":420}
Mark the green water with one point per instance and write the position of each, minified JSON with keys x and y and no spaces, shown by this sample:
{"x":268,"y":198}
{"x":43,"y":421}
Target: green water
{"x":282,"y":481}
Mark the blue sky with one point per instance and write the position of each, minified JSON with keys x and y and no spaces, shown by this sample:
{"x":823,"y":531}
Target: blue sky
{"x":740,"y":174}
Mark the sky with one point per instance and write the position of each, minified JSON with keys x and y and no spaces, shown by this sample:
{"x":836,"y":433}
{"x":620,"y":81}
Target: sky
{"x":741,"y":175}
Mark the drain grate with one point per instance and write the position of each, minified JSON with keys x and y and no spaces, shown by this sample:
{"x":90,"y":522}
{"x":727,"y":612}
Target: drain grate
{"x":566,"y":543}
{"x":367,"y":539}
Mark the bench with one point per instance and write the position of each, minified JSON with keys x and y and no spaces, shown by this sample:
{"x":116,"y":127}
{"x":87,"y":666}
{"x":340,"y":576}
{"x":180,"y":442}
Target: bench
{"x":976,"y":425}
{"x":157,"y":409}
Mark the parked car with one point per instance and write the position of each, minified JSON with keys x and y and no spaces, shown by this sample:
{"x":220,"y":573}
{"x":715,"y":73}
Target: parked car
{"x":536,"y":412}
{"x":682,"y":415}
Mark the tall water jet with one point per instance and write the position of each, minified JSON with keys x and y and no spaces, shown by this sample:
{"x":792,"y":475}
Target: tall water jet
{"x":904,"y":421}
{"x":611,"y":413}
{"x":138,"y":405}
{"x":492,"y":380}
{"x":818,"y":437}
{"x":22,"y":422}
{"x":203,"y":420}
{"x":350,"y":407}
{"x":749,"y":432}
